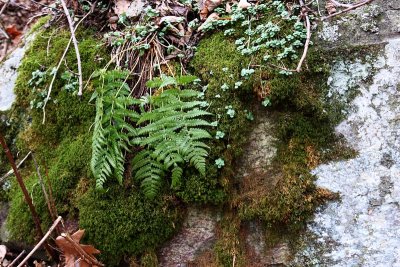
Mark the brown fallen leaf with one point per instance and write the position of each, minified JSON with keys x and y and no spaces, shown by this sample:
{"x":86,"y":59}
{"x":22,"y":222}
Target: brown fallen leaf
{"x":211,"y":18}
{"x":208,"y":7}
{"x":71,"y":255}
{"x":131,"y":9}
{"x":243,"y":4}
{"x":330,"y":7}
{"x":12,"y":31}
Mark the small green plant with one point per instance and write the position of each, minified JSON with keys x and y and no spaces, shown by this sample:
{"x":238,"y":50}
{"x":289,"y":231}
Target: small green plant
{"x":219,"y":163}
{"x":171,"y":135}
{"x":111,"y":132}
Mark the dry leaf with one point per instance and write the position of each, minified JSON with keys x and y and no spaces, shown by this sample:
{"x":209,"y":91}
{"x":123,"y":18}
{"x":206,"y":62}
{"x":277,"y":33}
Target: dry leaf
{"x":211,"y":18}
{"x":171,"y":19}
{"x":330,"y":7}
{"x":131,"y":9}
{"x":243,"y":4}
{"x":228,"y":8}
{"x":70,"y":253}
{"x":13,"y":32}
{"x":3,"y":252}
{"x":208,"y":7}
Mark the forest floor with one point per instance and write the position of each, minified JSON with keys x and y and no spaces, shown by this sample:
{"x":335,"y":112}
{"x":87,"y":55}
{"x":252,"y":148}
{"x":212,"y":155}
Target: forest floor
{"x":17,"y":18}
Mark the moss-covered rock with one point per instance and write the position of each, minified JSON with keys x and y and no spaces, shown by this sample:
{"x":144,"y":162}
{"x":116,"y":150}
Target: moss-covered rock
{"x":62,"y":145}
{"x":126,"y":223}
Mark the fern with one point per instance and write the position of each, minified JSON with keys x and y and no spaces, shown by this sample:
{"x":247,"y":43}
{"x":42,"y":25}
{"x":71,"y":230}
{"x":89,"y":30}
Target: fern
{"x":111,"y":131}
{"x":171,"y":135}
{"x":169,"y":130}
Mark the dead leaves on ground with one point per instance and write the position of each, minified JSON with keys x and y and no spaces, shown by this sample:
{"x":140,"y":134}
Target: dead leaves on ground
{"x":72,"y":256}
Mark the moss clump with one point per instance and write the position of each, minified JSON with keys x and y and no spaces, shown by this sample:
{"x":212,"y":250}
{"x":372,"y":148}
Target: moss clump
{"x":126,"y":223}
{"x":214,"y":54}
{"x":69,"y":165}
{"x":228,"y":248}
{"x":63,"y":143}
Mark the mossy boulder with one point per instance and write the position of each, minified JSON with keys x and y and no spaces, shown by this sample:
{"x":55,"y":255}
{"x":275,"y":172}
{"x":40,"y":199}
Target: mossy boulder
{"x":125,"y":223}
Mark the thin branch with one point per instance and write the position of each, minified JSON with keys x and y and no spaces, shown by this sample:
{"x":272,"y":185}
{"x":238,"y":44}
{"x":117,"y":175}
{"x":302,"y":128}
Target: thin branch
{"x":27,"y":198}
{"x":307,"y":44}
{"x":78,"y":56}
{"x":347,"y":9}
{"x":4,"y":6}
{"x":51,"y":229}
{"x":17,"y":258}
{"x":46,"y":196}
{"x":10,"y":172}
{"x":338,"y":4}
{"x":58,"y":66}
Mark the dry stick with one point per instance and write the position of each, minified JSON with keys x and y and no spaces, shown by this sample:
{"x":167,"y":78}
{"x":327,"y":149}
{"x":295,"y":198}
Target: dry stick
{"x":78,"y":56}
{"x":43,"y":240}
{"x":83,"y":253}
{"x":347,"y":9}
{"x":26,"y":196}
{"x":338,"y":4}
{"x":46,"y":196}
{"x":307,"y":44}
{"x":56,"y":70}
{"x":2,"y":29}
{"x":17,"y":258}
{"x":10,"y":172}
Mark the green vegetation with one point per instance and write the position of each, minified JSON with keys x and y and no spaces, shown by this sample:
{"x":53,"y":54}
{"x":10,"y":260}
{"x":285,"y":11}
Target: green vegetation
{"x":111,"y":132}
{"x":124,"y":223}
{"x":61,"y":145}
{"x":172,"y":135}
{"x":165,"y":140}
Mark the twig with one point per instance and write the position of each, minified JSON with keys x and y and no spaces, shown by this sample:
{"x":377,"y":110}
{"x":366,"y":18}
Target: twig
{"x":307,"y":44}
{"x":10,"y":172}
{"x":17,"y":258}
{"x":46,"y":196}
{"x":338,"y":4}
{"x":4,"y":6}
{"x":3,"y":30}
{"x":80,"y":250}
{"x":78,"y":56}
{"x":51,"y":229}
{"x":58,"y":66}
{"x":28,"y":199}
{"x":347,"y":9}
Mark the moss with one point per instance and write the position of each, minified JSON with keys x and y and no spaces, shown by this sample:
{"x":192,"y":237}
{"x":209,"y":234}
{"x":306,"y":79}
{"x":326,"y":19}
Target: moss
{"x":125,"y":223}
{"x":69,"y":165}
{"x":39,"y":24}
{"x":228,"y":248}
{"x":213,"y":54}
{"x":62,"y":145}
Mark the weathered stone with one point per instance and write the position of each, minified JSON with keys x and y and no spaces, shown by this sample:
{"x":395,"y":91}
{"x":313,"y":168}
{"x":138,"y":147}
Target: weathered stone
{"x":363,"y":228}
{"x":196,"y":236}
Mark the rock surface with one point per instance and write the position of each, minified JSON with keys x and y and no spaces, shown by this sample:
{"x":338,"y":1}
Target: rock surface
{"x":363,"y":228}
{"x":196,"y":235}
{"x":8,"y":74}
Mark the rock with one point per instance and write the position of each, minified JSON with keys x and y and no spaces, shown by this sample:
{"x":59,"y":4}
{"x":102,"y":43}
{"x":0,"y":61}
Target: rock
{"x":8,"y":72}
{"x":196,"y":235}
{"x":363,"y":228}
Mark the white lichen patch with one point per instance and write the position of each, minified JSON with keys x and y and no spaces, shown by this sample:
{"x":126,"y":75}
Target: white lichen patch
{"x":329,"y":32}
{"x":8,"y":74}
{"x":363,"y":228}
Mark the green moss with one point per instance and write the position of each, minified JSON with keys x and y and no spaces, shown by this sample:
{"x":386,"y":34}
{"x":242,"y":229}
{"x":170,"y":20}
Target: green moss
{"x":214,"y":54}
{"x":228,"y":248}
{"x":126,"y":223}
{"x":39,"y":23}
{"x":63,"y":143}
{"x":69,"y":165}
